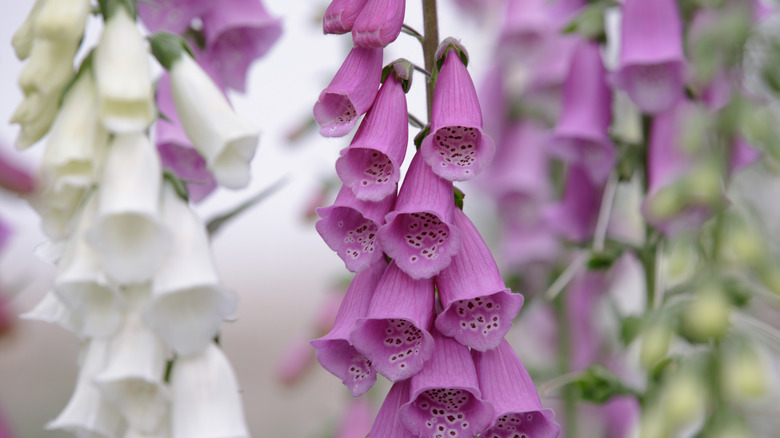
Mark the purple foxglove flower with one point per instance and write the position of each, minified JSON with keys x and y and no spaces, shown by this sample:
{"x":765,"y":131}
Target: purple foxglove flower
{"x":388,"y":422}
{"x":494,"y":101}
{"x":478,"y":307}
{"x":351,"y":92}
{"x":371,"y":165}
{"x":742,"y":155}
{"x":621,"y":415}
{"x":294,"y":361}
{"x":334,"y":350}
{"x":349,"y":227}
{"x":394,"y":333}
{"x":238,"y":32}
{"x":529,"y":25}
{"x":419,"y":234}
{"x":506,"y":384}
{"x":576,"y":215}
{"x":651,"y":67}
{"x":14,"y":178}
{"x":580,"y":304}
{"x":379,"y":23}
{"x":521,"y":166}
{"x":456,"y":149}
{"x":445,"y":396}
{"x":525,"y":245}
{"x":173,"y":16}
{"x":341,"y":15}
{"x":581,"y":135}
{"x":356,"y":423}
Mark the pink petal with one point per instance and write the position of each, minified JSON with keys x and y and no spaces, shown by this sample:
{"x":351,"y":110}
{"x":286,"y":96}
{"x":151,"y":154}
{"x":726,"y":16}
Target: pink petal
{"x":173,"y":16}
{"x":388,"y":422}
{"x":379,"y":23}
{"x":576,"y":215}
{"x":341,"y":15}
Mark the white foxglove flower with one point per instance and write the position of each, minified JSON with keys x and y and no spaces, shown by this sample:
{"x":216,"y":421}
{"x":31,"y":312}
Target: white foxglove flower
{"x":127,"y":235}
{"x":188,"y":303}
{"x":83,"y":287}
{"x":133,"y":379}
{"x":24,"y":36}
{"x":34,"y":115}
{"x":62,"y":20}
{"x":225,"y":141}
{"x":206,"y":399}
{"x":52,"y":310}
{"x":57,"y":210}
{"x":121,"y":67}
{"x":49,"y":68}
{"x":88,"y":413}
{"x":162,"y":432}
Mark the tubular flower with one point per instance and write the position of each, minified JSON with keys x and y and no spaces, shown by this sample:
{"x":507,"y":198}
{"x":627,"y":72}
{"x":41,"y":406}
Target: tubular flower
{"x":357,"y":420}
{"x":351,"y":92}
{"x":173,"y":16}
{"x":335,"y":351}
{"x":394,"y":333}
{"x":350,"y":226}
{"x":457,"y":149}
{"x":478,"y":307}
{"x":341,"y":15}
{"x":575,"y":216}
{"x":379,"y":23}
{"x":371,"y":164}
{"x":387,"y":423}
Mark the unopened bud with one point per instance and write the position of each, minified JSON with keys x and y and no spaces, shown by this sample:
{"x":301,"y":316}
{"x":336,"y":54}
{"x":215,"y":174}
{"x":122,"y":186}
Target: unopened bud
{"x":744,"y":375}
{"x":684,"y":397}
{"x":655,"y":343}
{"x":707,"y":316}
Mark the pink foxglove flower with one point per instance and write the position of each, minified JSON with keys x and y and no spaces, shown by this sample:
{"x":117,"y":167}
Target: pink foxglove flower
{"x":445,"y":395}
{"x":581,"y":135}
{"x":351,"y":92}
{"x":506,"y":384}
{"x":576,"y":215}
{"x":379,"y":23}
{"x":742,"y":155}
{"x":394,"y":333}
{"x":341,"y":15}
{"x":419,"y":235}
{"x":14,"y":177}
{"x":296,"y":359}
{"x":350,"y":226}
{"x":356,"y":422}
{"x":522,"y":165}
{"x":530,"y":25}
{"x":581,"y":303}
{"x":651,"y":67}
{"x":371,"y":165}
{"x":335,"y":351}
{"x":173,"y":16}
{"x":456,"y":149}
{"x":478,"y":307}
{"x":237,"y":32}
{"x":388,"y":421}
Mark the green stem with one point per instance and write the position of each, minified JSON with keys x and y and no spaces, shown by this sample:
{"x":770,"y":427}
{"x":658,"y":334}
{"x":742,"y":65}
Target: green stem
{"x":564,"y":355}
{"x":430,"y":44}
{"x":413,"y":32}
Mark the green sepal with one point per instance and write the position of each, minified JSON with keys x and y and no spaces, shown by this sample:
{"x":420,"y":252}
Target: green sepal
{"x":167,"y":48}
{"x":459,"y":195}
{"x":630,"y":327}
{"x":403,"y":69}
{"x":448,"y":44}
{"x":603,"y":260}
{"x":598,"y":385}
{"x":179,"y":186}
{"x":590,"y":22}
{"x":418,"y":139}
{"x":109,"y":7}
{"x":216,"y":223}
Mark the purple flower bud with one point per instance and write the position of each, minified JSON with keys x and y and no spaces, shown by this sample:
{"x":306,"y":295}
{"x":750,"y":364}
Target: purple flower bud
{"x":173,"y":16}
{"x":506,"y":384}
{"x":394,"y":334}
{"x":371,"y":165}
{"x":349,"y":227}
{"x":334,"y":350}
{"x":356,"y":422}
{"x":478,"y":307}
{"x":388,"y":423}
{"x":341,"y":15}
{"x":522,"y":164}
{"x":238,"y":32}
{"x":651,"y":67}
{"x":351,"y":92}
{"x":379,"y":23}
{"x":456,"y":149}
{"x":419,"y":234}
{"x":576,"y":215}
{"x":581,"y":135}
{"x":446,"y":400}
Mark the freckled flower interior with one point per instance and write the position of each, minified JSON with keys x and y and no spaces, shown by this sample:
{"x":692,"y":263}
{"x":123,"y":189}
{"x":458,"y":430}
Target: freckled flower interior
{"x":456,"y":145}
{"x":446,"y":412}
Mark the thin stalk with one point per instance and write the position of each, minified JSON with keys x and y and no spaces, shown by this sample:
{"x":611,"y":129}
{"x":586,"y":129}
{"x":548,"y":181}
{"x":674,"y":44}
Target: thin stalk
{"x":430,"y":44}
{"x":414,"y":121}
{"x":564,"y":355}
{"x":600,"y":235}
{"x":413,"y":32}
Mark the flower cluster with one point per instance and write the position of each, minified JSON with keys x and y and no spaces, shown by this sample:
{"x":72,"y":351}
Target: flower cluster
{"x":135,"y":277}
{"x":453,"y":374}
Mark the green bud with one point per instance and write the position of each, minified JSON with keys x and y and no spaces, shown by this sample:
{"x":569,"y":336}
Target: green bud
{"x":666,"y":203}
{"x":707,"y":316}
{"x":704,"y":184}
{"x":743,"y":374}
{"x":684,"y":396}
{"x":655,"y":343}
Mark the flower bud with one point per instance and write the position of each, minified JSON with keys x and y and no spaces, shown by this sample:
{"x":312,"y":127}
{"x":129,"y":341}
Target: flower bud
{"x":62,"y":20}
{"x":655,"y":343}
{"x":707,"y":316}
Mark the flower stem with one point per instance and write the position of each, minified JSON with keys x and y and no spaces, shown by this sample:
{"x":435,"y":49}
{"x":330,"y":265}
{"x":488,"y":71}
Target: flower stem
{"x":413,"y":32}
{"x":430,"y":43}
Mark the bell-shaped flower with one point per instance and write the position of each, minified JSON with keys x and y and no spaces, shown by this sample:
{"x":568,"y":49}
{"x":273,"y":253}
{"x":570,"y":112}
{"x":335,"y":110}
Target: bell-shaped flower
{"x":88,"y":413}
{"x":188,"y":302}
{"x":341,"y":15}
{"x":456,"y":149}
{"x":445,"y":396}
{"x":349,"y":227}
{"x":651,"y":67}
{"x":122,"y":72}
{"x":295,"y":361}
{"x":222,"y":138}
{"x":34,"y":115}
{"x":128,"y":235}
{"x":507,"y":386}
{"x":24,"y":36}
{"x":419,"y":234}
{"x":206,"y":401}
{"x":351,"y":92}
{"x":14,"y":177}
{"x":581,"y":135}
{"x":394,"y":333}
{"x":530,"y":25}
{"x":173,"y":16}
{"x":478,"y":307}
{"x":175,"y":148}
{"x":387,"y":423}
{"x":133,"y":377}
{"x":356,"y":421}
{"x":49,"y":68}
{"x":82,"y":285}
{"x":237,"y":32}
{"x":371,"y":165}
{"x":379,"y":23}
{"x":63,"y":21}
{"x":51,"y":309}
{"x":575,"y":216}
{"x":335,"y":351}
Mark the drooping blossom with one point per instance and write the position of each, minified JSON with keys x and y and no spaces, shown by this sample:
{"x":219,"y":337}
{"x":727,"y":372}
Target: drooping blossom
{"x":173,"y":16}
{"x":575,"y":216}
{"x":341,"y":15}
{"x":529,"y":26}
{"x":478,"y":307}
{"x":379,"y":23}
{"x":335,"y":351}
{"x":371,"y":165}
{"x":580,"y":305}
{"x":394,"y":334}
{"x":351,"y":92}
{"x":388,"y":421}
{"x":356,"y":422}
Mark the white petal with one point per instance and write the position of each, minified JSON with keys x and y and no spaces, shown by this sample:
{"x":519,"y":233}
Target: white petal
{"x":225,"y":141}
{"x":121,"y":66}
{"x":62,"y":20}
{"x":129,"y":238}
{"x":35,"y":115}
{"x":206,"y":399}
{"x":51,"y":309}
{"x":49,"y":68}
{"x":23,"y":37}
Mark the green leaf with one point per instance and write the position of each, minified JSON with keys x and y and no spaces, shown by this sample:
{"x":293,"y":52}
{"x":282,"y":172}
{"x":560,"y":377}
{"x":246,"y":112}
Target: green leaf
{"x":418,"y":139}
{"x":459,"y":195}
{"x":598,"y":384}
{"x":630,"y":328}
{"x":218,"y":222}
{"x":179,"y":186}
